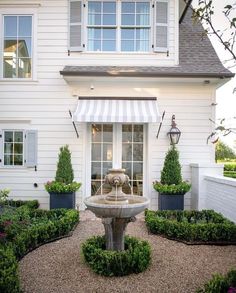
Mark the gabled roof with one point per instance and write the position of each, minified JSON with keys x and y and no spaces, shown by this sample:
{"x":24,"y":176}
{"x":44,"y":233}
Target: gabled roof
{"x":197,"y":58}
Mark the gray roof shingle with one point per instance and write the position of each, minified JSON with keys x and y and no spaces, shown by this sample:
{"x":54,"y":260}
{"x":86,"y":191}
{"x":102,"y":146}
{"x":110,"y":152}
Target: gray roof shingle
{"x":197,"y":58}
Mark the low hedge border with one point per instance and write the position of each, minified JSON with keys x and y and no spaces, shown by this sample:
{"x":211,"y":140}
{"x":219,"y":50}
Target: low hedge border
{"x":220,"y":283}
{"x":231,"y":174}
{"x":134,"y":259}
{"x":58,"y":225}
{"x":192,"y":227}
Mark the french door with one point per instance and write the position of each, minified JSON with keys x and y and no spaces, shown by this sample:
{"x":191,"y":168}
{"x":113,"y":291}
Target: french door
{"x":117,"y":146}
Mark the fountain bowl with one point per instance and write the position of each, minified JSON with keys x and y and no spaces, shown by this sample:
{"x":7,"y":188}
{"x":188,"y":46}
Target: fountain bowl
{"x":102,"y":208}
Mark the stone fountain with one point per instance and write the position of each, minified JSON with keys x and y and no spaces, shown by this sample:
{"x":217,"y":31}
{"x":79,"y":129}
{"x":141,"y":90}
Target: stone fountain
{"x":116,"y":209}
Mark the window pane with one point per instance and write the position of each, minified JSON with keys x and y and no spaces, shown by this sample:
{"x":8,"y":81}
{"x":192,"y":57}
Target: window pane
{"x":142,"y":34}
{"x":18,"y":160}
{"x":127,"y":34}
{"x":24,"y":47}
{"x":94,"y":19}
{"x":25,"y":26}
{"x":8,"y":160}
{"x":96,"y":171}
{"x":108,"y":45}
{"x":138,"y":152}
{"x":109,"y":7}
{"x":142,"y":46}
{"x":126,"y":152}
{"x":107,"y":152}
{"x":138,"y":133}
{"x":18,"y":137}
{"x":9,"y":67}
{"x":10,"y":47}
{"x":142,"y":19}
{"x":10,"y":26}
{"x":127,"y":46}
{"x":126,"y":133}
{"x":18,"y":148}
{"x":107,"y":133}
{"x":138,"y":171}
{"x":142,"y":7}
{"x":96,"y":152}
{"x":128,"y":7}
{"x":109,"y":19}
{"x":94,"y":7}
{"x":128,"y":19}
{"x":96,"y":132}
{"x":106,"y":167}
{"x":8,"y":136}
{"x":127,"y":167}
{"x":8,"y":148}
{"x":94,"y":33}
{"x":94,"y":45}
{"x":24,"y":68}
{"x":109,"y":34}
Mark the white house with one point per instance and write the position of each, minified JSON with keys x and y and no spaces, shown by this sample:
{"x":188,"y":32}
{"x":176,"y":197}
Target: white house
{"x":116,"y":66}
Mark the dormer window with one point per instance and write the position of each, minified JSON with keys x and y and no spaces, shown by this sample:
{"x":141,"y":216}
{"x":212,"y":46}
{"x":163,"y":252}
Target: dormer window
{"x":119,"y":26}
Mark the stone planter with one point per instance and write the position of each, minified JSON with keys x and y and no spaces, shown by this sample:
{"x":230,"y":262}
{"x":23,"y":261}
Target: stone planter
{"x":62,"y":200}
{"x":170,"y":202}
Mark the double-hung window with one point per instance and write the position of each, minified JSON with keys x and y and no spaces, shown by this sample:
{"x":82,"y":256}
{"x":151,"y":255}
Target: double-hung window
{"x":119,"y":26}
{"x":17,"y":51}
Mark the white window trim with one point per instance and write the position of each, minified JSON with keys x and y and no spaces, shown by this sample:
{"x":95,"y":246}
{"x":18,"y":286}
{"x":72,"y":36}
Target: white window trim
{"x":118,"y":32}
{"x":20,"y":11}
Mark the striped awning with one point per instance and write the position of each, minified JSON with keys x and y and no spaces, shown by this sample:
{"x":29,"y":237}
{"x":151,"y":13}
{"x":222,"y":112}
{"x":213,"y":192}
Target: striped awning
{"x":123,"y":110}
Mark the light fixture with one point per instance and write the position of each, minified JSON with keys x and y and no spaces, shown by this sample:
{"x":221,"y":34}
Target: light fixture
{"x":174,"y":132}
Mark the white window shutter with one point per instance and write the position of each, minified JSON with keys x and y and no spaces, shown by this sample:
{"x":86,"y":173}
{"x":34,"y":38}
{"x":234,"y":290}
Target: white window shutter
{"x":161,"y":17}
{"x":1,"y":148}
{"x":31,"y":148}
{"x":75,"y":25}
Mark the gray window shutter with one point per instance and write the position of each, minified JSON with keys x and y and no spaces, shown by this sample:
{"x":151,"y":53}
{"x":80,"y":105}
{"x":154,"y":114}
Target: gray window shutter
{"x":31,"y":148}
{"x":1,"y":148}
{"x":161,"y":26}
{"x":75,"y":25}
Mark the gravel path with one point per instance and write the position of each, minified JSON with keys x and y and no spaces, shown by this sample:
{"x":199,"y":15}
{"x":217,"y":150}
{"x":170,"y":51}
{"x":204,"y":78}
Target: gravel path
{"x":59,"y":267}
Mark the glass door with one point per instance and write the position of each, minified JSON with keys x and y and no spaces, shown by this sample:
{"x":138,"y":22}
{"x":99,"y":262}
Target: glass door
{"x":117,"y":145}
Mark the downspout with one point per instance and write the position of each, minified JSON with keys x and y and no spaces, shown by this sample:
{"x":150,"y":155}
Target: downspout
{"x":185,"y":11}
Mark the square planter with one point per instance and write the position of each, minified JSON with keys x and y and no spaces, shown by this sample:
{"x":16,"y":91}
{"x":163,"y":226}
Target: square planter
{"x":170,"y":202}
{"x":62,"y":200}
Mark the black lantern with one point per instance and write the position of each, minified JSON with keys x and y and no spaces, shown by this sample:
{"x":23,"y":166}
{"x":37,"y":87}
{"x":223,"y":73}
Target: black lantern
{"x":174,"y":132}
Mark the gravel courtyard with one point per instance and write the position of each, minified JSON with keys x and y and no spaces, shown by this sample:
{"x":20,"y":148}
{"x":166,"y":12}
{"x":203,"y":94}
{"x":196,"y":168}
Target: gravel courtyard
{"x":59,"y":267}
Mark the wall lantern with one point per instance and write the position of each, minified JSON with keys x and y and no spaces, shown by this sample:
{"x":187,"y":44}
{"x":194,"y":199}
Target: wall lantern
{"x":174,"y":132}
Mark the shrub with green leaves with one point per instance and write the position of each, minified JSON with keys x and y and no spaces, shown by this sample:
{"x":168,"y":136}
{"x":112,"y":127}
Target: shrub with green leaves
{"x":64,"y":173}
{"x":134,"y":259}
{"x":220,"y":283}
{"x":204,"y":226}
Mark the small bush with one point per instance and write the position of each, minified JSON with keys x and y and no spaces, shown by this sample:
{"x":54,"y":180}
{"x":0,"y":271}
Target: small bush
{"x":231,"y":174}
{"x":32,"y":204}
{"x":230,"y":167}
{"x":134,"y":259}
{"x":192,"y":226}
{"x":220,"y":283}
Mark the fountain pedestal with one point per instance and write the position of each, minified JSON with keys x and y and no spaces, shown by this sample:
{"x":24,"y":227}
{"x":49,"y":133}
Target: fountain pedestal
{"x":115,"y":232}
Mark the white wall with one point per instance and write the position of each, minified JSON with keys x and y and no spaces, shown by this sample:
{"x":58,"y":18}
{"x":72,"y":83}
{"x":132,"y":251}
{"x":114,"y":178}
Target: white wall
{"x":221,"y":195}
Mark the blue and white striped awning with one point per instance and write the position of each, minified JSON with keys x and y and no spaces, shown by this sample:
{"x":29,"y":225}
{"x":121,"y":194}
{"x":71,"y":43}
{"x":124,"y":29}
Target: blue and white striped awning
{"x":120,"y":110}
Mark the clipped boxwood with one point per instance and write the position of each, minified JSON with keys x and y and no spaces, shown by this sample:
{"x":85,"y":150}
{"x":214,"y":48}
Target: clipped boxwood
{"x":32,"y":204}
{"x":134,"y":259}
{"x":25,"y":229}
{"x":230,"y":167}
{"x":199,"y":227}
{"x":231,"y":174}
{"x":220,"y":283}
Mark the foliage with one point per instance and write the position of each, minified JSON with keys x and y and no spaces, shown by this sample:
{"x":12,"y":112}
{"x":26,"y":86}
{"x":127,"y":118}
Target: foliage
{"x":181,"y":188}
{"x":33,"y":204}
{"x":134,"y":259}
{"x":171,"y":178}
{"x":223,"y":151}
{"x":220,"y":283}
{"x":4,"y":195}
{"x":59,"y":187}
{"x":23,"y":229}
{"x":230,"y":167}
{"x":171,"y":172}
{"x":193,"y":226}
{"x":64,"y":173}
{"x":63,"y":182}
{"x":231,"y":174}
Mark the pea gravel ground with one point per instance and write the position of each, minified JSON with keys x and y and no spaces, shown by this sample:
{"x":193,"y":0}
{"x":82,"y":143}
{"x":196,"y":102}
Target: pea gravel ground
{"x":59,"y":267}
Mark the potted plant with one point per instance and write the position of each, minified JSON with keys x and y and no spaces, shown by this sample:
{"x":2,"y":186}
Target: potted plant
{"x":171,"y":188}
{"x":62,"y":189}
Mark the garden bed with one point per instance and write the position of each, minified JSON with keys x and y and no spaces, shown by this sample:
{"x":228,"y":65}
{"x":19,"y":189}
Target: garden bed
{"x":192,"y":227}
{"x":24,"y":229}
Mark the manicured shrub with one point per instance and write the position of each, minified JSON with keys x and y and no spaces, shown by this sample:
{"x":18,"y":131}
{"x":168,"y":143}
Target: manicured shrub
{"x":33,"y":204}
{"x":230,"y":167}
{"x":220,"y":284}
{"x":192,"y":226}
{"x":134,"y":259}
{"x":231,"y":174}
{"x":64,"y":173}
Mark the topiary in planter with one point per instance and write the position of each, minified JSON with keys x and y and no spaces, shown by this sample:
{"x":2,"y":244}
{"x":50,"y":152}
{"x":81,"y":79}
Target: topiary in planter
{"x":134,"y":259}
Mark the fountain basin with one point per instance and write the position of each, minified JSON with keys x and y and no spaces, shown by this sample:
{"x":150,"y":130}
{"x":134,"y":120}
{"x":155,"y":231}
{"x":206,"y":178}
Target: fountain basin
{"x":102,"y":208}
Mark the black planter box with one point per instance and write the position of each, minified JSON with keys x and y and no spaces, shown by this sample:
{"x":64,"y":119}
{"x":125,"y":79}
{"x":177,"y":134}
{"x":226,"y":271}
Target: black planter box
{"x":170,"y":202}
{"x":62,"y":200}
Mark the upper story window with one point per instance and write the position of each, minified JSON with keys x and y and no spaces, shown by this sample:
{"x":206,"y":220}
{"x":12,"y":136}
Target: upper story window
{"x":119,"y":26}
{"x":17,"y":52}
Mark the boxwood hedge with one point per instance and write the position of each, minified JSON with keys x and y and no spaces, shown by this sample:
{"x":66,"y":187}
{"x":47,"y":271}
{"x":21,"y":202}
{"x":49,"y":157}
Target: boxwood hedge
{"x":199,"y":227}
{"x":22,"y":230}
{"x":220,"y":283}
{"x":134,"y":259}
